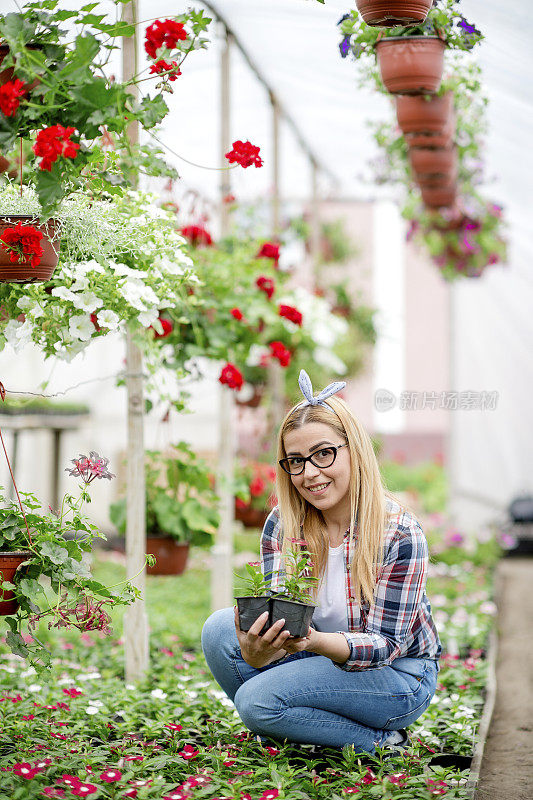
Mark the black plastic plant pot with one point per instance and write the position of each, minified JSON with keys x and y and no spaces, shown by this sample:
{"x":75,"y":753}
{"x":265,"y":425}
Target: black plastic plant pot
{"x":451,"y":760}
{"x":250,"y":608}
{"x":297,"y":615}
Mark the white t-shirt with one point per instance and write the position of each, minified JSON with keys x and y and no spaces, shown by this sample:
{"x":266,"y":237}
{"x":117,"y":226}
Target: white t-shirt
{"x":331,"y":613}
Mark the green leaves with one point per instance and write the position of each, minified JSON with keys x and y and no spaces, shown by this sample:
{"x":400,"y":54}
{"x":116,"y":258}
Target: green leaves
{"x":152,"y":111}
{"x":56,"y":554}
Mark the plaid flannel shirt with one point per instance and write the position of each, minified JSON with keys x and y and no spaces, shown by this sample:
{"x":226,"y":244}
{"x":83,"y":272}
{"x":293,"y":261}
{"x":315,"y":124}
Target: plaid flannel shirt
{"x":398,"y":622}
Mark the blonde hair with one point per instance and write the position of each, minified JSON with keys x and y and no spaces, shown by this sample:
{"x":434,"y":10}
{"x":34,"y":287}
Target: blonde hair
{"x":367,"y":500}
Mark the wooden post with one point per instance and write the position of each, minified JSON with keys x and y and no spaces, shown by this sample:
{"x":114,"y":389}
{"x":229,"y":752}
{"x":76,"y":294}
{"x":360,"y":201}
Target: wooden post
{"x":135,"y":618}
{"x":315,"y":222}
{"x":222,"y":550}
{"x":276,"y":380}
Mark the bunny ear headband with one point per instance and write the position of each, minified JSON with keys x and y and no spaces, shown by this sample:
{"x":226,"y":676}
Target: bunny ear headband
{"x":304,"y":382}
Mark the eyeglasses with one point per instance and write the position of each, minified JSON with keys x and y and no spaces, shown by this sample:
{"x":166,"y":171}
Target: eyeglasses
{"x":322,"y":458}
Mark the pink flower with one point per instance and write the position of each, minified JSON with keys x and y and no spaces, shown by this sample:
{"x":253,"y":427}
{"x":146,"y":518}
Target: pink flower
{"x":172,"y":726}
{"x":436,"y":787}
{"x":73,"y":692}
{"x":269,"y":794}
{"x":25,"y":770}
{"x":84,"y":789}
{"x":28,"y":717}
{"x":188,"y":752}
{"x":111,"y":775}
{"x":272,"y":750}
{"x":53,"y":791}
{"x":398,"y":778}
{"x":134,"y":758}
{"x":369,"y":777}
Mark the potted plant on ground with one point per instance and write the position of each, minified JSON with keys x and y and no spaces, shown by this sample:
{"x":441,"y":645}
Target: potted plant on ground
{"x":36,"y":545}
{"x":181,"y":507}
{"x":410,"y":60}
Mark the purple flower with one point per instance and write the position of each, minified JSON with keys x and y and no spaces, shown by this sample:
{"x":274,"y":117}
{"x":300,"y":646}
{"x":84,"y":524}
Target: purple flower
{"x":344,"y":46}
{"x":467,"y":27}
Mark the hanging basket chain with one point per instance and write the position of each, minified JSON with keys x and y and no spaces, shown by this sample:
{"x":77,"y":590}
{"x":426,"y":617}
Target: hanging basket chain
{"x":3,"y":397}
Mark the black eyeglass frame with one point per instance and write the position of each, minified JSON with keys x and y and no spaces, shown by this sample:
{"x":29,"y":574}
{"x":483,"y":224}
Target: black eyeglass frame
{"x":333,"y":447}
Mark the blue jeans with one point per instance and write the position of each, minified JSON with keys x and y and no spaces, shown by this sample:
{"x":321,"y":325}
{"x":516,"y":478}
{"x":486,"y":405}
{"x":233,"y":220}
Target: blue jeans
{"x":305,"y":698}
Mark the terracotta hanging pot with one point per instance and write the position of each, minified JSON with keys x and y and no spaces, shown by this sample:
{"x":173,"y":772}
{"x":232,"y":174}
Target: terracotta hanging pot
{"x":442,"y":139}
{"x":23,"y":271}
{"x":434,"y":179}
{"x":438,"y":160}
{"x":9,"y":73}
{"x":439,"y":196}
{"x":9,"y":563}
{"x":389,"y":13}
{"x":411,"y":64}
{"x":251,"y":517}
{"x":171,"y":556}
{"x":423,"y":115}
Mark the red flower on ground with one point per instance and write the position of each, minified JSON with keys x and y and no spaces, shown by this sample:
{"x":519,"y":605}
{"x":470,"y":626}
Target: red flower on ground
{"x":436,"y":787}
{"x":280,"y":352}
{"x":196,"y":235}
{"x":231,"y":376}
{"x":236,"y":313}
{"x":10,"y":93}
{"x":25,"y":770}
{"x":84,"y":789}
{"x":73,"y":692}
{"x":188,"y":752}
{"x":163,"y":33}
{"x":289,"y":312}
{"x":172,"y":726}
{"x":111,"y":775}
{"x":269,"y":250}
{"x":171,"y":70}
{"x":21,"y":242}
{"x":398,"y":778}
{"x":269,"y":794}
{"x":53,"y":791}
{"x":245,"y":154}
{"x":54,"y":142}
{"x":266,"y":285}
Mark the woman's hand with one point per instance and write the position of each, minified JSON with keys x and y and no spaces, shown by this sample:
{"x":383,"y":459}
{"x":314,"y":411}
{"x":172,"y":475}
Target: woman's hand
{"x":258,"y":651}
{"x":296,"y":645}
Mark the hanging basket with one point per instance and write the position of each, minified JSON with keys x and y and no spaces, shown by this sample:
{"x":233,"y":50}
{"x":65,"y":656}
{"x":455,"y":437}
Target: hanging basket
{"x":9,"y":563}
{"x":411,"y":64}
{"x":390,"y":13}
{"x":428,"y":116}
{"x":9,"y":73}
{"x":171,"y":556}
{"x":24,"y":272}
{"x":251,"y":517}
{"x":434,"y":167}
{"x":440,"y":196}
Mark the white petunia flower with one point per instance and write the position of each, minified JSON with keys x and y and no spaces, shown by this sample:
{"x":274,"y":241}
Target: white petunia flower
{"x":34,"y":687}
{"x":63,"y":293}
{"x":147,"y":318}
{"x":91,"y":710}
{"x":123,"y":269}
{"x":158,"y":694}
{"x":108,"y":319}
{"x":80,"y":327}
{"x":88,"y":301}
{"x":18,"y":334}
{"x":80,"y":284}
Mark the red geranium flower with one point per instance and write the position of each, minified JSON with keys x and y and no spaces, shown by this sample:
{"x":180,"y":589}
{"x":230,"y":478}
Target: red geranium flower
{"x":172,"y":70}
{"x":257,"y":487}
{"x":54,"y":142}
{"x":280,"y":352}
{"x":269,"y":250}
{"x":231,"y":376}
{"x":9,"y":96}
{"x":236,"y":313}
{"x":245,"y":154}
{"x":165,"y":33}
{"x":23,"y":242}
{"x":196,"y":235}
{"x":289,"y":312}
{"x":266,"y":285}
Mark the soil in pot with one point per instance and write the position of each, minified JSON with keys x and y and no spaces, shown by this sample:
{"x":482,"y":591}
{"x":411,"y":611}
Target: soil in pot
{"x":411,"y":64}
{"x":423,"y":115}
{"x":390,"y":13}
{"x":9,"y":563}
{"x":171,"y":556}
{"x":23,"y":272}
{"x":250,"y":608}
{"x":297,"y":615}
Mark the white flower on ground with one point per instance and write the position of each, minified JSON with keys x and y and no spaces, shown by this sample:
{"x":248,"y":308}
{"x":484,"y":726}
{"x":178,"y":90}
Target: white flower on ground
{"x":91,"y":710}
{"x":488,"y":608}
{"x":34,"y":687}
{"x":87,"y":301}
{"x":158,"y":694}
{"x":108,"y":319}
{"x":81,"y":327}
